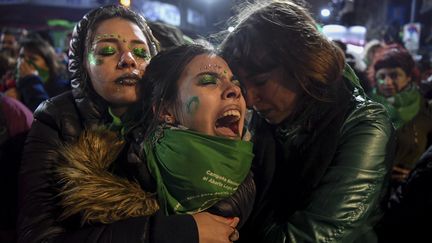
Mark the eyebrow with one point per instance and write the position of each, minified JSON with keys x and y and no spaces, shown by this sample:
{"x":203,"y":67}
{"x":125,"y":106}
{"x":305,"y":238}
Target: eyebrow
{"x":115,"y":40}
{"x":216,"y":74}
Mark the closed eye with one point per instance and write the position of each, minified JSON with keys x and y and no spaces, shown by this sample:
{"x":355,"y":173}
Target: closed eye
{"x":206,"y":79}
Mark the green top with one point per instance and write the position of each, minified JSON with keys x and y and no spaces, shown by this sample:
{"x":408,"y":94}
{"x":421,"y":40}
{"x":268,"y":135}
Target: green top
{"x":193,"y":171}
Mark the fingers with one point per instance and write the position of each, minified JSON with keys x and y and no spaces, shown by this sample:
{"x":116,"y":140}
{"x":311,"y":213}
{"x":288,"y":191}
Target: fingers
{"x":234,"y":222}
{"x":234,"y":236}
{"x":215,"y":229}
{"x":24,"y":69}
{"x":228,"y":221}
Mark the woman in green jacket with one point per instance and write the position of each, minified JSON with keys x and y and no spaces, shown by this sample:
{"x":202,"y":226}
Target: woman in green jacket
{"x":323,"y":150}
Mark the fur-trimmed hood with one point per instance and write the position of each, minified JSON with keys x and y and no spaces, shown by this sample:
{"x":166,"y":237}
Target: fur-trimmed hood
{"x":89,"y":189}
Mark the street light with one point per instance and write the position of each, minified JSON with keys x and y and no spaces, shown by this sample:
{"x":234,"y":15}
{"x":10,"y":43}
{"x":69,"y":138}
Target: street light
{"x":125,"y":3}
{"x":325,"y":12}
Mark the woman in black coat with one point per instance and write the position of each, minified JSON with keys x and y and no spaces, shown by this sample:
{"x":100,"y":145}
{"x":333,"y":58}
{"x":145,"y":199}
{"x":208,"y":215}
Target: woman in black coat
{"x":109,"y":51}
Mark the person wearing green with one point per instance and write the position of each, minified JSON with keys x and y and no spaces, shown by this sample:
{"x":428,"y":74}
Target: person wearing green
{"x":394,"y":78}
{"x":196,"y":147}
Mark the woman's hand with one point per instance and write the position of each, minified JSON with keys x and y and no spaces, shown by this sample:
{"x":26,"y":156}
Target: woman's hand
{"x":25,"y":69}
{"x":213,"y":228}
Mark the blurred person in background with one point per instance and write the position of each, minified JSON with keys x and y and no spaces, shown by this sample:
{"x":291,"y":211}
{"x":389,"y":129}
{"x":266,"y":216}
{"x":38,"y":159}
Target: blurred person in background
{"x":410,"y":206}
{"x":9,"y":39}
{"x":356,"y":64}
{"x":39,"y":73}
{"x":168,"y":36}
{"x":395,"y":79}
{"x":15,"y":122}
{"x":9,"y":47}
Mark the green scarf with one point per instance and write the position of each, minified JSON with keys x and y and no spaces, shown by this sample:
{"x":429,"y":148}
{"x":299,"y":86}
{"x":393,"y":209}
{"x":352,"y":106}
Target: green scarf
{"x":402,"y":107}
{"x":193,"y":171}
{"x":116,"y":124}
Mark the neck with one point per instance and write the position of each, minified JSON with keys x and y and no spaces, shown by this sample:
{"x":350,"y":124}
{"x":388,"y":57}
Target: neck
{"x":118,"y":111}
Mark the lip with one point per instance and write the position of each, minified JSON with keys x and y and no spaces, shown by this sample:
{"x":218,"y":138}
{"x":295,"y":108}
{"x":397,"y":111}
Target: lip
{"x":128,"y":79}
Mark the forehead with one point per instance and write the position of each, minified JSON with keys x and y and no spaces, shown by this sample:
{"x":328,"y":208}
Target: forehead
{"x":391,"y":70}
{"x":119,"y":27}
{"x":206,"y":63}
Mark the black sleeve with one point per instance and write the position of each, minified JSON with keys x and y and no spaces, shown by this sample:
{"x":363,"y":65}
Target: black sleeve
{"x":39,"y":211}
{"x":240,"y":204}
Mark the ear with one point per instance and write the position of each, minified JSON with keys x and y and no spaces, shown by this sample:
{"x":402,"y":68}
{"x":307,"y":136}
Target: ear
{"x":165,"y":115}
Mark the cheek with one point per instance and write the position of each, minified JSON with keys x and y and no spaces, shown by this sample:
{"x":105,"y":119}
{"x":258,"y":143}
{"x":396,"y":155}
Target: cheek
{"x":142,"y":67}
{"x":192,"y":105}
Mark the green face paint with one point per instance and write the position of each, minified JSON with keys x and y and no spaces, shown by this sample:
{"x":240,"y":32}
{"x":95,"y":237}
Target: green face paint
{"x":192,"y":105}
{"x":107,"y":51}
{"x":236,"y":82}
{"x":92,"y":60}
{"x":141,"y":53}
{"x":207,"y":79}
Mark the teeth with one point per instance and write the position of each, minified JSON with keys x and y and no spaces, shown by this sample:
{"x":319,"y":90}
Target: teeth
{"x":235,"y":113}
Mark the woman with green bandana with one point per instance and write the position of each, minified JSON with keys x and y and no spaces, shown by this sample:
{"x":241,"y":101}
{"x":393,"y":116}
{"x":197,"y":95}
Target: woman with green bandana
{"x":395,"y":76}
{"x":323,"y":149}
{"x":197,"y":149}
{"x":39,"y":74}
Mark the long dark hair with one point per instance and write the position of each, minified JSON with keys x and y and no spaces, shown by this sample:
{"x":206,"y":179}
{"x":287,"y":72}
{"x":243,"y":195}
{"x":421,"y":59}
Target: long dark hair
{"x":158,"y":89}
{"x":283,"y":34}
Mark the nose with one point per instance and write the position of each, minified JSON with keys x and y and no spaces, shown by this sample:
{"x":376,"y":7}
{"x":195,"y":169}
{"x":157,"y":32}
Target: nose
{"x":251,"y":98}
{"x":232,"y":92}
{"x":388,"y":80}
{"x":127,"y":60}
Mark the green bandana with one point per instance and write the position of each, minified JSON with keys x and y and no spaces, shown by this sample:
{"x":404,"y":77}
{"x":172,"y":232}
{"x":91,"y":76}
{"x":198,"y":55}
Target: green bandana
{"x":193,"y":171}
{"x":402,"y":107}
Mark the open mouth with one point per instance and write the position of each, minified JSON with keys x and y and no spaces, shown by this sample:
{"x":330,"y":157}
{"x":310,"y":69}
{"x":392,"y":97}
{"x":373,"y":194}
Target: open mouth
{"x":227,"y":125}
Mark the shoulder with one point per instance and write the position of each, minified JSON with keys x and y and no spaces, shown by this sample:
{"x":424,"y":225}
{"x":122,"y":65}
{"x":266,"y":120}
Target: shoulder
{"x":367,"y":137}
{"x":17,"y":117}
{"x":367,"y":114}
{"x":60,"y":113}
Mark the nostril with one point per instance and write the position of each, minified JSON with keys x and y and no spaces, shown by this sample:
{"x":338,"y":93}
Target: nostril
{"x":232,"y":94}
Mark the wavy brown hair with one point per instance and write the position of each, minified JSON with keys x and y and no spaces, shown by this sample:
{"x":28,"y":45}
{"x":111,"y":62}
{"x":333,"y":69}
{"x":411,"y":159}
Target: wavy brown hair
{"x":283,"y":34}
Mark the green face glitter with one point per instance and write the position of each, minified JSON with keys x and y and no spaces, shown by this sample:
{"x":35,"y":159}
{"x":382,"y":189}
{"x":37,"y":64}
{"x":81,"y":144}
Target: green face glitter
{"x":236,"y":82}
{"x":207,"y":79}
{"x":141,"y":53}
{"x":192,"y":105}
{"x":107,"y":51}
{"x":92,"y":60}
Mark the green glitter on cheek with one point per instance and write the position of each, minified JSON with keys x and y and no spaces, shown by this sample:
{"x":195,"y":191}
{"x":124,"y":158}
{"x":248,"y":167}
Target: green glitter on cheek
{"x":192,"y":105}
{"x":92,"y":60}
